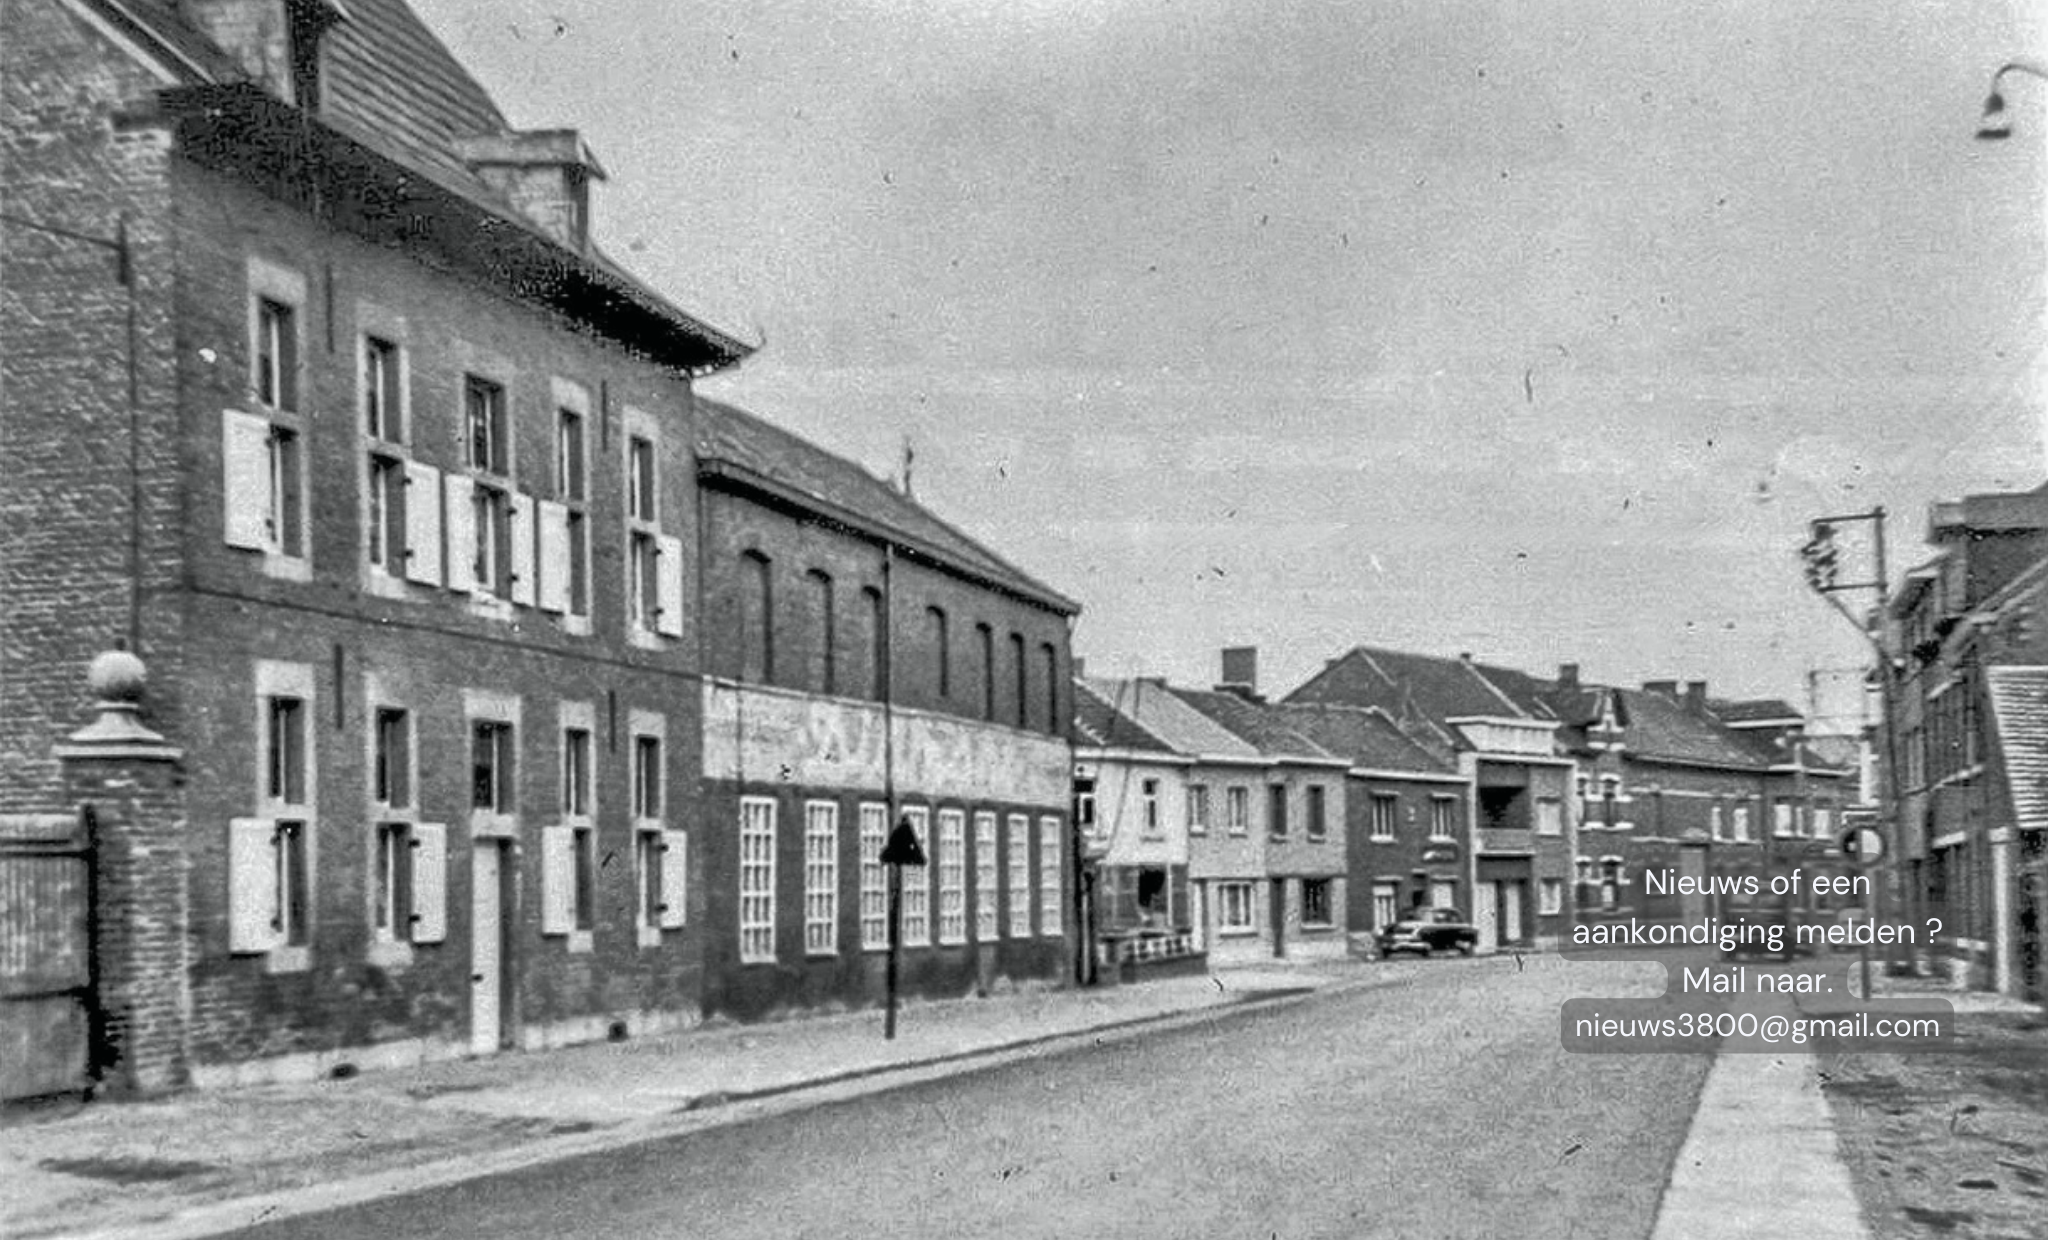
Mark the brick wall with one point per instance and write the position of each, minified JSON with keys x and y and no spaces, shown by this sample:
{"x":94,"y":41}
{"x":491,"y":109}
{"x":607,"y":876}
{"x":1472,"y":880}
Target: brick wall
{"x":65,"y":413}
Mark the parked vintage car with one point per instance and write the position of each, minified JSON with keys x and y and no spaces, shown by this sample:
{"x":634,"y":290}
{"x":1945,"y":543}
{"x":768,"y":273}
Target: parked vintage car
{"x":1430,"y":930}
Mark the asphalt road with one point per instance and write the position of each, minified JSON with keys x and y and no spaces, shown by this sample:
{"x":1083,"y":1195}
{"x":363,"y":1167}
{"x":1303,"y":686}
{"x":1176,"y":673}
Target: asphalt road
{"x":1434,"y":1107}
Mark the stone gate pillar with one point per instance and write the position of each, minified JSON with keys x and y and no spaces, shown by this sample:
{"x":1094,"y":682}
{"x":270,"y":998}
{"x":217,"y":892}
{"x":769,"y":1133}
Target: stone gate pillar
{"x":130,"y":782}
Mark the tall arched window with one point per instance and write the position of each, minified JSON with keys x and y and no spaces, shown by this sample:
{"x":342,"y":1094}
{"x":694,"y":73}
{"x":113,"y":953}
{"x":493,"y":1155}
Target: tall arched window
{"x":1049,"y":657}
{"x":1023,"y":680}
{"x":985,"y":652}
{"x":941,"y":651}
{"x":824,"y":630}
{"x":871,"y":644}
{"x":757,"y":618}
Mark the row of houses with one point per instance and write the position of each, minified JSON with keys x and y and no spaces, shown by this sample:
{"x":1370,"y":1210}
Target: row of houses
{"x":1967,"y":738}
{"x":501,"y":689}
{"x":1229,"y":825}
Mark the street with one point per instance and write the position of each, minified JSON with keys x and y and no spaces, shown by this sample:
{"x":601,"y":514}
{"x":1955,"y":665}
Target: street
{"x":1440,"y":1105}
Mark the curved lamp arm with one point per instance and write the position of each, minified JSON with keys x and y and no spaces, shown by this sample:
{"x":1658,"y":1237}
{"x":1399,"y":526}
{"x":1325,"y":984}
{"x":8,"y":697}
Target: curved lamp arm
{"x":1995,"y":126}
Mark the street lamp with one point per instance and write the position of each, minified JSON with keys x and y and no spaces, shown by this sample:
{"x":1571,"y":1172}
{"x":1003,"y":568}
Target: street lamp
{"x":1995,"y":127}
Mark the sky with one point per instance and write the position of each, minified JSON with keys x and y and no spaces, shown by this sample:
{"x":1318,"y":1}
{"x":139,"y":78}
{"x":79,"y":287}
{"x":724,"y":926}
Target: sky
{"x":1535,"y":329}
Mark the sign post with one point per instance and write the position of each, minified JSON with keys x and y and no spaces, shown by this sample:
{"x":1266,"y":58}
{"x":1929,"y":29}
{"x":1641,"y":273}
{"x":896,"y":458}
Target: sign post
{"x":902,"y":849}
{"x":1864,"y":846}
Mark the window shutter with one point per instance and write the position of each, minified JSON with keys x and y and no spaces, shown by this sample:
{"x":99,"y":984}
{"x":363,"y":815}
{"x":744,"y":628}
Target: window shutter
{"x":668,"y":573}
{"x":557,"y":877}
{"x":675,"y":857}
{"x":252,"y":886}
{"x":422,"y":523}
{"x":553,"y":589}
{"x":245,"y":480}
{"x":461,"y":492}
{"x":521,"y":520}
{"x":429,"y":882}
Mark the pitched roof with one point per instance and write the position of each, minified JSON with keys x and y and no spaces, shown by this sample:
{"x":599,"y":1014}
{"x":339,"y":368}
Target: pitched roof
{"x":1754,"y":710}
{"x":158,"y":23}
{"x":2019,"y":710}
{"x":1257,"y":724}
{"x":735,"y":446}
{"x":1365,"y":736}
{"x":1099,"y":723}
{"x":389,"y":81}
{"x":1661,"y":726}
{"x":1161,"y":712}
{"x":1405,"y":684}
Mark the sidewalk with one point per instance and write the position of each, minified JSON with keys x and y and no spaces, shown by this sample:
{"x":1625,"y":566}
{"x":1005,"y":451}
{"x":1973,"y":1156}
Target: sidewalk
{"x":205,"y":1162}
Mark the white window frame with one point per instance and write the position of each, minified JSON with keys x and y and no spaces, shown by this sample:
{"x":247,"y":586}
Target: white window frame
{"x":1018,"y":873}
{"x":563,"y":521}
{"x":1234,"y":897}
{"x":1148,"y":800}
{"x":987,"y":879}
{"x":1549,"y":816}
{"x":579,"y":901}
{"x":1198,"y":809}
{"x":483,"y":706}
{"x":874,"y":877}
{"x":1784,"y":819}
{"x":264,"y":898}
{"x":1443,"y":813}
{"x":1386,"y":903}
{"x":407,"y":891}
{"x":821,"y":878}
{"x":952,"y":866}
{"x":757,"y":880}
{"x":917,"y":882}
{"x":274,"y":282}
{"x":650,"y":550}
{"x":1385,"y":826}
{"x":393,"y":527}
{"x":1051,"y":882}
{"x":1549,"y":897}
{"x":1237,"y":808}
{"x":660,"y":853}
{"x":1740,"y":818}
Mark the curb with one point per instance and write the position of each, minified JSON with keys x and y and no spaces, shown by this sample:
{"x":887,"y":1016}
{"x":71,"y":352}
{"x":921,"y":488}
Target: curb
{"x":702,"y":1113}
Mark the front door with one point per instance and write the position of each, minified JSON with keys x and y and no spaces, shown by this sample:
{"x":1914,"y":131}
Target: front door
{"x":487,"y":989}
{"x":1278,"y":907}
{"x":1485,"y":915}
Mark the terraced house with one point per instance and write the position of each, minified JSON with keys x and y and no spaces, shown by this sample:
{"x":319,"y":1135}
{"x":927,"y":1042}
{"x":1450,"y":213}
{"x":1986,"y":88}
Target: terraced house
{"x":501,"y":691}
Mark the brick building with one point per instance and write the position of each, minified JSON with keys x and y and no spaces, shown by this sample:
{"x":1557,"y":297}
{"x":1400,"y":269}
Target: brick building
{"x":447,"y":583}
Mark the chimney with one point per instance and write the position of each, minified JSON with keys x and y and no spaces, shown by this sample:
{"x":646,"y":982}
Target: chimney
{"x":1240,"y":670}
{"x":546,"y":173}
{"x":1696,"y":695}
{"x":1567,"y":675}
{"x":1669,"y":688}
{"x":276,"y":42}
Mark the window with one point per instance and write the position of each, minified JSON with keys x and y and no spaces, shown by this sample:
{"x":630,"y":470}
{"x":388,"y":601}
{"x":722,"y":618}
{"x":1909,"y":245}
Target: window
{"x":985,"y":646}
{"x":277,"y":354}
{"x":488,"y":442}
{"x":564,"y":519}
{"x":270,"y":863}
{"x":1318,"y":824}
{"x":952,"y":862}
{"x":1386,"y":809}
{"x":1020,"y":876}
{"x":483,"y":513}
{"x":1550,"y":897}
{"x":568,"y":883}
{"x":384,"y":503}
{"x":1315,"y":902}
{"x":1084,"y":801}
{"x":1023,"y":697}
{"x":1149,"y":798}
{"x":1198,"y":809}
{"x":576,"y":773}
{"x":1050,"y":923}
{"x":1276,"y":809}
{"x":987,"y":869}
{"x":1234,"y":908}
{"x":757,"y":880}
{"x":660,"y":854}
{"x":1823,"y":822}
{"x":872,"y":642}
{"x":1050,"y":658}
{"x":824,"y":677}
{"x":263,"y":465}
{"x":821,"y":878}
{"x":757,"y":619}
{"x":941,"y":652}
{"x":1237,"y":807}
{"x":491,"y":763}
{"x":641,"y":503}
{"x":1386,"y":904}
{"x":392,"y":759}
{"x":654,"y":556}
{"x":874,"y":877}
{"x":1443,"y":813}
{"x":917,"y":883}
{"x":1715,"y":826}
{"x":1741,"y":817}
{"x":1549,"y":816}
{"x":389,"y":914}
{"x":1781,"y":819}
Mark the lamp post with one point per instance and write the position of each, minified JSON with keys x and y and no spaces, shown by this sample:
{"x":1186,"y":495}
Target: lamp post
{"x":1995,"y":126}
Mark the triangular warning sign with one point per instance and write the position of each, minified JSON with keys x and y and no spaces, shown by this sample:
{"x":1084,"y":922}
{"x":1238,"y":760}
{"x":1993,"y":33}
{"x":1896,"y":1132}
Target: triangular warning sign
{"x":903,"y":848}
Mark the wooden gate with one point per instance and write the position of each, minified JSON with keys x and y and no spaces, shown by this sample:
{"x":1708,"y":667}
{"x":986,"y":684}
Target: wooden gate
{"x":48,"y":1010}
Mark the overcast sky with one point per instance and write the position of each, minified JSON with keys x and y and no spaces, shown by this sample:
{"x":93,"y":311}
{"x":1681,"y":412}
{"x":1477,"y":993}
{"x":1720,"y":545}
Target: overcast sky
{"x":1534,"y":329}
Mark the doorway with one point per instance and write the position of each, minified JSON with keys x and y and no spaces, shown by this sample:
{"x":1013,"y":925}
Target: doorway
{"x":490,"y":988}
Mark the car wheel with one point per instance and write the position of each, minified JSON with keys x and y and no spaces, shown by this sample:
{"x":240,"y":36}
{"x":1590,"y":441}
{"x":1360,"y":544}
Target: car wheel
{"x":1465,"y":948}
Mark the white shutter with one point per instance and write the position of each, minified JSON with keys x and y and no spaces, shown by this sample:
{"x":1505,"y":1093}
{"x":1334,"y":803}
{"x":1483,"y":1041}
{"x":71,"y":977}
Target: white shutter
{"x":461,"y":492}
{"x":668,"y":578}
{"x":252,"y":886}
{"x":245,"y":479}
{"x":422,"y":523}
{"x":557,"y":877}
{"x":554,"y":556}
{"x":675,"y":866}
{"x":429,"y":882}
{"x":520,"y":518}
